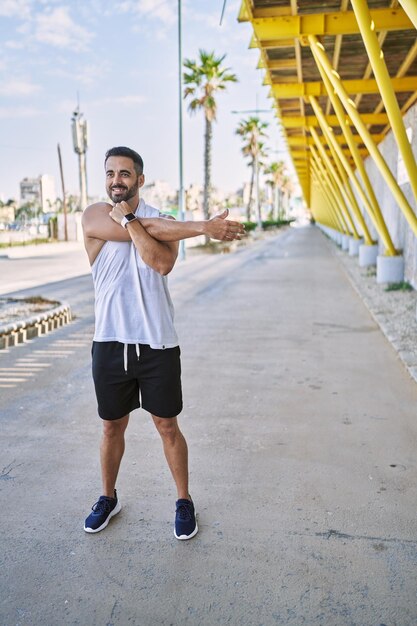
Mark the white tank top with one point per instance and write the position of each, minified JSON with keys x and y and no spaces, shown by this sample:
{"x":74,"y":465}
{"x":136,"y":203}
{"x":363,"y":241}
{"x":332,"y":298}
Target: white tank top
{"x":132,"y":301}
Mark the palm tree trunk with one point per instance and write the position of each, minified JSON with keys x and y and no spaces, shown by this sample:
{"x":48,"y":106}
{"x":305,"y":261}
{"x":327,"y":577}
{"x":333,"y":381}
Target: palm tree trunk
{"x":249,"y":205}
{"x":207,"y":169}
{"x":276,"y":202}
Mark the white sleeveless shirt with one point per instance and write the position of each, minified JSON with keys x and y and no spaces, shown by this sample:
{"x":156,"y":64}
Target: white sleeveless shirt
{"x":132,"y":301}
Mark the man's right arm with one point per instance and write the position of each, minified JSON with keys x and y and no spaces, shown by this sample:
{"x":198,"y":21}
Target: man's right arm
{"x":218,"y":227}
{"x":98,"y":224}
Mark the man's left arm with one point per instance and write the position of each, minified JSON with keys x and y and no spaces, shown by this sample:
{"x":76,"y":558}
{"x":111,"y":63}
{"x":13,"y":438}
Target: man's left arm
{"x":159,"y":255}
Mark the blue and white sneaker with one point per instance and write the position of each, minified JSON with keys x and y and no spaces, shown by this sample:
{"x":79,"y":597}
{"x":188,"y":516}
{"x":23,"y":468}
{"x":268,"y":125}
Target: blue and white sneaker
{"x":103,"y":510}
{"x":185,"y":520}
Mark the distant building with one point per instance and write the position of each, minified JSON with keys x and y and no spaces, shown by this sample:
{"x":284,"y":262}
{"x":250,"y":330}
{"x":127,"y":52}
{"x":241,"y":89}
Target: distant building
{"x":7,"y":213}
{"x":40,"y":190}
{"x":159,"y":194}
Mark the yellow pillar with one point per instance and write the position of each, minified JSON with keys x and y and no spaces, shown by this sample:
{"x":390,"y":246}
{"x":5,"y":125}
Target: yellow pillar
{"x":383,"y":79}
{"x":354,"y":115}
{"x":320,"y":116}
{"x":410,"y":7}
{"x":320,"y":206}
{"x":331,"y":210}
{"x":337,"y":180}
{"x":373,"y":210}
{"x":334,"y":199}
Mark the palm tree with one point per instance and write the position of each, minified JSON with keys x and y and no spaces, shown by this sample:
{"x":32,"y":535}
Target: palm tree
{"x":252,"y":130}
{"x":276,"y":171}
{"x":287,"y":187}
{"x":205,"y":77}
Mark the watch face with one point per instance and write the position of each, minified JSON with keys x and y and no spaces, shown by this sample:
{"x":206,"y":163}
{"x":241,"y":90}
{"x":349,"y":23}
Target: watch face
{"x":130,"y":217}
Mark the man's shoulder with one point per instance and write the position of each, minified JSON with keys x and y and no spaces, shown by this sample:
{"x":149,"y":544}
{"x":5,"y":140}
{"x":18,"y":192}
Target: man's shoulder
{"x":96,"y":209}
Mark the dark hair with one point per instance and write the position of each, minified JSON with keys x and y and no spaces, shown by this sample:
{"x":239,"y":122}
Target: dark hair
{"x":130,"y":154}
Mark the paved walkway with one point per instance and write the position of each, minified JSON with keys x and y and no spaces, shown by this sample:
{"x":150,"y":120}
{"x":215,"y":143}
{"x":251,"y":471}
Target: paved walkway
{"x":302,"y":429}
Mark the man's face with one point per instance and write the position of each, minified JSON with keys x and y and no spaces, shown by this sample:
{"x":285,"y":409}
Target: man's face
{"x":122,"y":182}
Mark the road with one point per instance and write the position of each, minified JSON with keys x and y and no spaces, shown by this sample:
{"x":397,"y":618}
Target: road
{"x":301,"y":425}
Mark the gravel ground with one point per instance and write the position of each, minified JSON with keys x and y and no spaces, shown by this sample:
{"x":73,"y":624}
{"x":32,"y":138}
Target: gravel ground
{"x":394,"y":311}
{"x":16,"y":309}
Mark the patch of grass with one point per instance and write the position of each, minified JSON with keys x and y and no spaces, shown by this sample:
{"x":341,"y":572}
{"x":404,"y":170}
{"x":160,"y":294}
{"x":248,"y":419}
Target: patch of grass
{"x":402,"y":286}
{"x":371,"y":271}
{"x":39,"y":300}
{"x":14,"y":244}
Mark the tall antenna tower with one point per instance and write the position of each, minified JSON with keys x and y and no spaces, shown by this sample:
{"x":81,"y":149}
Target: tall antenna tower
{"x":80,"y":141}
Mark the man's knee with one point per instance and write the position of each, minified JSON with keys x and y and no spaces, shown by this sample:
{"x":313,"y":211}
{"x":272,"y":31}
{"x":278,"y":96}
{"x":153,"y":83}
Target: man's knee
{"x":167,"y":427}
{"x":115,"y":428}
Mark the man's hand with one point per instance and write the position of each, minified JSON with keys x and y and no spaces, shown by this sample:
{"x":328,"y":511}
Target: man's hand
{"x":218,"y":227}
{"x":119,"y":211}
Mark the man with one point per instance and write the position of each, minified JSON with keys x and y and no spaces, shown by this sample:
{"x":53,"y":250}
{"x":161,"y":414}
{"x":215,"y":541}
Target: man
{"x":136,"y":357}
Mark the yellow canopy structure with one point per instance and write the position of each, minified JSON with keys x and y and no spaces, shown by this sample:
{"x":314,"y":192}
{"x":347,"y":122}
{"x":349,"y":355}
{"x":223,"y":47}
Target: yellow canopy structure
{"x":342,"y":74}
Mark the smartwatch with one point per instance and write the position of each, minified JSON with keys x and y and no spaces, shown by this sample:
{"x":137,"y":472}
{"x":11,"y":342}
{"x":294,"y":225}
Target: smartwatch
{"x":130,"y":217}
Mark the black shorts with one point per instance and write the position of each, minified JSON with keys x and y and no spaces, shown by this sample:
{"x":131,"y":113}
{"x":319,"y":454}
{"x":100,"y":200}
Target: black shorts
{"x":152,"y":380}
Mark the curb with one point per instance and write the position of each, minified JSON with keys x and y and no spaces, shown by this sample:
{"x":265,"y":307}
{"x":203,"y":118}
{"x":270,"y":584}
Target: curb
{"x":35,"y":326}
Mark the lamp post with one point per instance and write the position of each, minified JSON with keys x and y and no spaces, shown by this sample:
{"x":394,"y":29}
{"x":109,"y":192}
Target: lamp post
{"x":80,"y":141}
{"x":180,"y":155}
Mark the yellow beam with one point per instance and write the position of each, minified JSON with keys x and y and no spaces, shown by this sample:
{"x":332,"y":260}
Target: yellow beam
{"x":341,"y":23}
{"x":308,"y":141}
{"x":282,"y":64}
{"x":290,"y":121}
{"x":410,"y":7}
{"x":333,"y":200}
{"x":272,"y":43}
{"x":341,"y":179}
{"x":354,"y":115}
{"x":382,"y":78}
{"x":337,"y":182}
{"x":365,"y":86}
{"x":370,"y":201}
{"x":245,"y":12}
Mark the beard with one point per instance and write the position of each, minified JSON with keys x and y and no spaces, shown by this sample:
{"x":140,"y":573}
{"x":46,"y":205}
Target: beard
{"x":123,"y":193}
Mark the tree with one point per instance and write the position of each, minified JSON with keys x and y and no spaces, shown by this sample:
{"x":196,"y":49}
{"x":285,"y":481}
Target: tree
{"x":203,"y":79}
{"x":276,"y":171}
{"x":287,"y":187}
{"x":252,"y":130}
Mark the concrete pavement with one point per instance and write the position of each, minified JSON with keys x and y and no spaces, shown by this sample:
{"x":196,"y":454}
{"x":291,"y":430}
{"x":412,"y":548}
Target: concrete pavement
{"x":301,"y":425}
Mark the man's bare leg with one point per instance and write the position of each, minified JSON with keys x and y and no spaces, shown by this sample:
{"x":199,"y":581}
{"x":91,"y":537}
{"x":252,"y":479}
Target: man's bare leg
{"x":111,"y":452}
{"x":176,"y":452}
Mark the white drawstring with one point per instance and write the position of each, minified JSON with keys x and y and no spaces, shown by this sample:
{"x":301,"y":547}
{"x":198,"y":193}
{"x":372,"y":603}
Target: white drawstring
{"x":125,"y":356}
{"x":125,"y":349}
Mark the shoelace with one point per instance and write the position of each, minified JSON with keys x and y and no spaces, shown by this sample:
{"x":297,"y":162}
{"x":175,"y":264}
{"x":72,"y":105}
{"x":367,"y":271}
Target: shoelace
{"x":101,"y":506}
{"x":184,"y":511}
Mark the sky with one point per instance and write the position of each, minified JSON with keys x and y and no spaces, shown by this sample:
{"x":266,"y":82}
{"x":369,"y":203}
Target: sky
{"x":120,"y":58}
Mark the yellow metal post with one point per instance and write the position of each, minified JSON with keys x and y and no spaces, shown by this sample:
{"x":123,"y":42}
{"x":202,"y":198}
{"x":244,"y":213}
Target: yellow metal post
{"x":351,"y":196}
{"x":354,"y":115}
{"x":376,"y":58}
{"x":410,"y":7}
{"x":335,"y":199}
{"x":374,"y":210}
{"x":334,"y":178}
{"x":341,"y":180}
{"x":333,"y":210}
{"x":320,"y":116}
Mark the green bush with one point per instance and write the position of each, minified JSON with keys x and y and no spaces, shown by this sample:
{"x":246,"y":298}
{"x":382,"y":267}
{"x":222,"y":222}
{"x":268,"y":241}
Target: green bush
{"x":402,"y":286}
{"x":267,"y":224}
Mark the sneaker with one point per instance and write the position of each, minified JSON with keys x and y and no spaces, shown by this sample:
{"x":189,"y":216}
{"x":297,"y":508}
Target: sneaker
{"x":103,"y":511}
{"x":185,"y":521}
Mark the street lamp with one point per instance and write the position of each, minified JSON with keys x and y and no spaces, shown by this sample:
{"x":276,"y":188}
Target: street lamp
{"x":80,"y":141}
{"x":180,"y":155}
